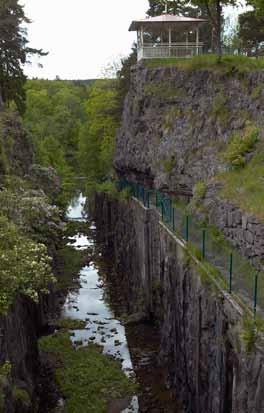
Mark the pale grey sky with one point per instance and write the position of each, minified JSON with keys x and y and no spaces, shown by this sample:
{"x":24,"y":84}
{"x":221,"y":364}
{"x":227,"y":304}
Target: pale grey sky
{"x":81,"y":36}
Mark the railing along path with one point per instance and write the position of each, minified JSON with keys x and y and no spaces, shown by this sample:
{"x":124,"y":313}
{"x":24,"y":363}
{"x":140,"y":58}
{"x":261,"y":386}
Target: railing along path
{"x":235,"y":273}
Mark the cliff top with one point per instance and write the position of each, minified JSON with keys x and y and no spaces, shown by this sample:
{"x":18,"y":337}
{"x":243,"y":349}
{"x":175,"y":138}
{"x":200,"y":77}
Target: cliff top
{"x":210,"y":62}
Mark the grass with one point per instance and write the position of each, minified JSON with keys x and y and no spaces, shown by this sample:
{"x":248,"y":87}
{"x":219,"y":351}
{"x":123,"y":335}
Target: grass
{"x":245,"y":186}
{"x":228,"y":63}
{"x":240,"y":145}
{"x":87,"y":378}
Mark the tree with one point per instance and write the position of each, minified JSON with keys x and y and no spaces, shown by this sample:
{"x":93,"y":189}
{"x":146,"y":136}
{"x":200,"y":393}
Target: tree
{"x":157,"y":7}
{"x":258,"y":6}
{"x":13,"y":52}
{"x":251,"y":32}
{"x":97,"y":135}
{"x":124,"y":74}
{"x":210,"y":9}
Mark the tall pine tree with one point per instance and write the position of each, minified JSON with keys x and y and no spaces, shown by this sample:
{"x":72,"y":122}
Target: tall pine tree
{"x":14,"y":52}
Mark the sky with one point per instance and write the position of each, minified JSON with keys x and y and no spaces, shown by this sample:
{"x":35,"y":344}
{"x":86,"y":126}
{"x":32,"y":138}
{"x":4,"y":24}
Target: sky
{"x":81,"y":36}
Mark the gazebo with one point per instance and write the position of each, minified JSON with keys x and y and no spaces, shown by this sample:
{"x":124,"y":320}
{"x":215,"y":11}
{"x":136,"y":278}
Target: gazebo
{"x":167,"y":36}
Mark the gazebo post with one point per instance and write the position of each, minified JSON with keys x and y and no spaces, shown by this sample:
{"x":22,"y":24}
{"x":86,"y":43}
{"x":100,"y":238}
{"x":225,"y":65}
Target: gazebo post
{"x":197,"y":40}
{"x":169,"y":40}
{"x":142,"y":36}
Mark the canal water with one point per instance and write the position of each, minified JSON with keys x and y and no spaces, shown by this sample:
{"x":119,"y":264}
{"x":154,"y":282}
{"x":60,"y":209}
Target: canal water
{"x":92,"y":299}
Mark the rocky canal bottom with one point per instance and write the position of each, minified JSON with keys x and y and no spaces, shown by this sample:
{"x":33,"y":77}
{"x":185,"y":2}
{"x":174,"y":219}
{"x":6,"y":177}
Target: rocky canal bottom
{"x":92,"y":327}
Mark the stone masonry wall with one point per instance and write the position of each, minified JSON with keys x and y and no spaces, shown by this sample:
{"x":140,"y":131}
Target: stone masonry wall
{"x":200,"y":326}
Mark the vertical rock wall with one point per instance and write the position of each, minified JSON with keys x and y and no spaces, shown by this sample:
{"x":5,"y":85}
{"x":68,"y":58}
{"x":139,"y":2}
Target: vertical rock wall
{"x":200,"y":326}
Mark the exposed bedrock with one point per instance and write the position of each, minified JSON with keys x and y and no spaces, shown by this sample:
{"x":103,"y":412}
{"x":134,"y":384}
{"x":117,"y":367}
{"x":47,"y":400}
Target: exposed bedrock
{"x":184,"y":118}
{"x":200,"y":326}
{"x":175,"y":125}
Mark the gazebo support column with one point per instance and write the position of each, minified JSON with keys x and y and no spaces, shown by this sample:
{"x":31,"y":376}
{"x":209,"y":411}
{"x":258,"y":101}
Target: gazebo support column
{"x":197,"y":41}
{"x":169,"y":41}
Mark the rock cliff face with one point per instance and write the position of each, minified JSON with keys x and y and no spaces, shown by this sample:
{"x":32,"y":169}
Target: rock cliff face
{"x":18,"y":344}
{"x":175,"y":124}
{"x":200,"y":325}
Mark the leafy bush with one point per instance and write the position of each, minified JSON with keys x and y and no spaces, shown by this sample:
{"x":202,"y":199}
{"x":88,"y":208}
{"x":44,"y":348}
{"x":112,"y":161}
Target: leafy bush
{"x":21,"y":397}
{"x":25,"y":266}
{"x":5,"y":369}
{"x":220,"y":109}
{"x":169,"y":164}
{"x":31,"y":212}
{"x":239,"y":146}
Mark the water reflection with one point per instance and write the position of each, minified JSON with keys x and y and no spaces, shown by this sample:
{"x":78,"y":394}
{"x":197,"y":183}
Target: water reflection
{"x":89,"y":303}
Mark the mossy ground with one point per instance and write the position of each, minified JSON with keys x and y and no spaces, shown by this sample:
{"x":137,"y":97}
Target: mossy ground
{"x":244,"y":186}
{"x":86,"y":378}
{"x":210,"y":62}
{"x":71,"y":324}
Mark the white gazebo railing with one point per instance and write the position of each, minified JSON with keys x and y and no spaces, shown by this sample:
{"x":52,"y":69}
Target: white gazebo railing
{"x":165,"y":31}
{"x":163,"y":50}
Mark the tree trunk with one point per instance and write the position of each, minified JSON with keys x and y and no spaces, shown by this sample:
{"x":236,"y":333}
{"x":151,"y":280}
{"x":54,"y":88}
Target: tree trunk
{"x":218,"y":29}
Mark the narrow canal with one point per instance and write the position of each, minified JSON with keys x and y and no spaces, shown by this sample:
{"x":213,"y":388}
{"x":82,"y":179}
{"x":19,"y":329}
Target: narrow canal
{"x":92,"y":297}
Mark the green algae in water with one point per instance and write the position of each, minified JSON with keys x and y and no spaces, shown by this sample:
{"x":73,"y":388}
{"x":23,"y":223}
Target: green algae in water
{"x":87,"y":378}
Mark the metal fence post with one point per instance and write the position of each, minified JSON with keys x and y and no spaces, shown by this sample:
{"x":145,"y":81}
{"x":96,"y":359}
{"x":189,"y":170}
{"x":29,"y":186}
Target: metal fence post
{"x":255,"y":295}
{"x":162,"y":211}
{"x":147,"y":199}
{"x":203,"y":245}
{"x":230,"y":273}
{"x":187,"y":228}
{"x":173,"y":219}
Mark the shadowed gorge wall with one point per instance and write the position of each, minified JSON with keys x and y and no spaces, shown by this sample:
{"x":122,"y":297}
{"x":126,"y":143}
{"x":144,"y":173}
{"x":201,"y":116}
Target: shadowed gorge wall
{"x":200,"y":326}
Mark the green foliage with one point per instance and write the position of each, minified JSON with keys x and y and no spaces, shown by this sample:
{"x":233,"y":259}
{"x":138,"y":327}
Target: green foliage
{"x":14,"y":52}
{"x":244,"y":187}
{"x":169,"y":165}
{"x":219,"y":109}
{"x":124,"y":74}
{"x":5,"y":369}
{"x":86,"y":378}
{"x":21,"y":397}
{"x":110,"y":188}
{"x":30,"y":211}
{"x":97,"y":135}
{"x":252,"y":330}
{"x":257,"y":91}
{"x":251,"y":32}
{"x":228,"y":64}
{"x":240,"y":145}
{"x":54,"y":116}
{"x":199,"y":192}
{"x":25,"y":266}
{"x":71,"y":324}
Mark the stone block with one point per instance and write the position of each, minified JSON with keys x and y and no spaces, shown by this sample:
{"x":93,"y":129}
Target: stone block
{"x":249,"y":237}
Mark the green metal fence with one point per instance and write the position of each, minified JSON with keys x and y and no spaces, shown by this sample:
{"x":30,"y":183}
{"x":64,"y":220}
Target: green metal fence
{"x":237,"y":275}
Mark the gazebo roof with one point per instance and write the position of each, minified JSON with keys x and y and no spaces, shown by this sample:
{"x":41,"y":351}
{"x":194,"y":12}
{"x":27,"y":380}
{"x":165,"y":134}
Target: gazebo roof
{"x":164,"y":20}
